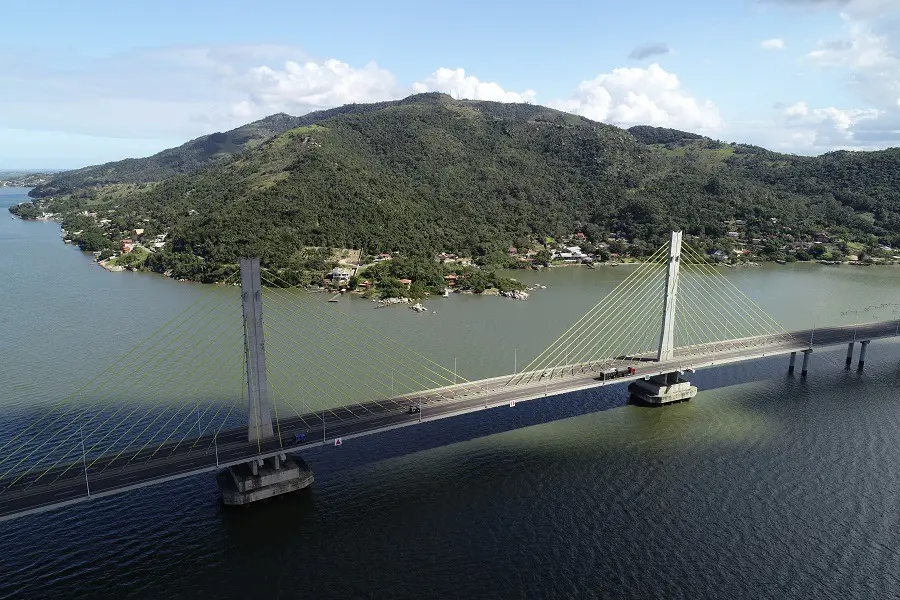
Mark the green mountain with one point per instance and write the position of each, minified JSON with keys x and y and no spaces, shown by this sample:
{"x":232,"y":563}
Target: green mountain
{"x":430,"y":173}
{"x":188,"y":157}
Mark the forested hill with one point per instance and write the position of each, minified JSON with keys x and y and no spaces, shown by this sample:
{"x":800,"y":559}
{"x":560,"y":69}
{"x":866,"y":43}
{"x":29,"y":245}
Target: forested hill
{"x":188,"y":157}
{"x":431,"y":174}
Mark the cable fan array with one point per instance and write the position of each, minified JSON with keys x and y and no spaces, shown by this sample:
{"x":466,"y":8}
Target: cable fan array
{"x":184,"y":386}
{"x":711,"y":315}
{"x":320,"y":359}
{"x":180,"y":387}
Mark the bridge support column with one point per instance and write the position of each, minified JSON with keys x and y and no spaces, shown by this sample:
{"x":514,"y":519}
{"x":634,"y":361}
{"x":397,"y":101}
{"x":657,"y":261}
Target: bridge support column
{"x":862,"y":354}
{"x":805,"y":370}
{"x":791,"y":365}
{"x":667,"y":334}
{"x":849,"y":354}
{"x":259,"y":478}
{"x":658,"y":390}
{"x":243,"y":484}
{"x":259,"y":425}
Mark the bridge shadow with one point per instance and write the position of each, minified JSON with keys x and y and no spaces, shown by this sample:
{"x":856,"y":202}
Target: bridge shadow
{"x":399,"y":442}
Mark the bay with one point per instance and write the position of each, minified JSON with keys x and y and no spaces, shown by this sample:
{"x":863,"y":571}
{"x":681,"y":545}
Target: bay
{"x":763,"y":485}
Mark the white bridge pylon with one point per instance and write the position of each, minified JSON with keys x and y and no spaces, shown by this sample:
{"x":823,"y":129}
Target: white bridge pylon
{"x":676,"y":303}
{"x":667,"y":335}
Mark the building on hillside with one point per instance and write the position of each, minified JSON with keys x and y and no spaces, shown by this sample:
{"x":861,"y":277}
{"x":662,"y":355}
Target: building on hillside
{"x":339,"y":275}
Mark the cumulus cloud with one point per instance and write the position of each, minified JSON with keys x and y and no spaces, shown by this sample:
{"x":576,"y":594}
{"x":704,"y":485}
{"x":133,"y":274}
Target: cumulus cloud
{"x":772,"y":44}
{"x":635,"y":96}
{"x":866,"y":61}
{"x":459,"y":85}
{"x":299,"y":87}
{"x":650,"y":49}
{"x":826,"y":128}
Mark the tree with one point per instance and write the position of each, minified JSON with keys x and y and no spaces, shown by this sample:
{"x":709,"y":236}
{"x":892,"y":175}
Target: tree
{"x":542,"y":257}
{"x":416,"y":290}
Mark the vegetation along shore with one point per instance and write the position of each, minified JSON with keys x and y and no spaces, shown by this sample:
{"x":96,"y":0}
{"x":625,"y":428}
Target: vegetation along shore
{"x":453,"y":190}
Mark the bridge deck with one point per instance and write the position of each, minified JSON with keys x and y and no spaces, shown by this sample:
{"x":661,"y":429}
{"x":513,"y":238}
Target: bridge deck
{"x":112,"y":474}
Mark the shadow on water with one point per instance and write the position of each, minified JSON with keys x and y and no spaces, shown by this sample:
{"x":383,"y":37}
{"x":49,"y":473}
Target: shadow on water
{"x":748,"y":478}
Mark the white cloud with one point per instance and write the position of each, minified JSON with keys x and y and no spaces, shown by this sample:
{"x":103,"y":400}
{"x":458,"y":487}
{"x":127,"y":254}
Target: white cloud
{"x":773,"y":44}
{"x":459,"y":85}
{"x":636,"y":96}
{"x":866,"y":60}
{"x":300,"y":87}
{"x":821,"y":129}
{"x":800,"y":109}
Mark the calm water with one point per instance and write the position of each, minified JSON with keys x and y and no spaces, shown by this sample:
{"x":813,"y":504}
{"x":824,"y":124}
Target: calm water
{"x":762,"y":486}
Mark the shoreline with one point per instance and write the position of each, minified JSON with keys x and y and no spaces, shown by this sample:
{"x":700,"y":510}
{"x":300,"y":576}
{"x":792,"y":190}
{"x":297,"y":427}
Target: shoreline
{"x":593,"y":266}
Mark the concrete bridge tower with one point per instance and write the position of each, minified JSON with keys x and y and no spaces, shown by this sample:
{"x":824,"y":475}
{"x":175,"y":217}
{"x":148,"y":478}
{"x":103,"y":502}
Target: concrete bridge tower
{"x":259,"y":425}
{"x":259,"y":478}
{"x":667,"y":387}
{"x":670,"y":296}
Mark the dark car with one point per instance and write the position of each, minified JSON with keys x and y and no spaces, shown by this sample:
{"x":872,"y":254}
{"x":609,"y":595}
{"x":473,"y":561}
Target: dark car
{"x":413,"y":409}
{"x":297,"y":438}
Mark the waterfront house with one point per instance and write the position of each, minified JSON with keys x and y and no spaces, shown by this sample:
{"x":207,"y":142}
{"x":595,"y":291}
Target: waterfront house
{"x":339,"y":275}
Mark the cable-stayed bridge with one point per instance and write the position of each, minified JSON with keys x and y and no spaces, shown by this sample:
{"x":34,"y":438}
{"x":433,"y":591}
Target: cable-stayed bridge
{"x":243,"y":382}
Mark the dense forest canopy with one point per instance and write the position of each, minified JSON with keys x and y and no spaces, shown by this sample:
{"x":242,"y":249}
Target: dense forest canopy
{"x":431,"y":174}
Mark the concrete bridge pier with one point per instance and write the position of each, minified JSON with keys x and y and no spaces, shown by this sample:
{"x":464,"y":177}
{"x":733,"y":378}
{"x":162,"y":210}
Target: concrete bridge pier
{"x":862,"y":354}
{"x":263,"y":478}
{"x":658,"y":390}
{"x":805,"y":369}
{"x":849,"y":354}
{"x":259,"y":478}
{"x":791,"y":365}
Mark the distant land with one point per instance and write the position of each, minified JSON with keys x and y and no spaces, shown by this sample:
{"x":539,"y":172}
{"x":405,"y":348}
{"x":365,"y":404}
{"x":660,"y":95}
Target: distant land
{"x":25,"y":178}
{"x":497,"y":183}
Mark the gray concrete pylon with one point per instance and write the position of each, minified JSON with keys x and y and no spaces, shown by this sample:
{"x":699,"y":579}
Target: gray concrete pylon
{"x":862,"y":354}
{"x":667,"y":334}
{"x":259,"y":421}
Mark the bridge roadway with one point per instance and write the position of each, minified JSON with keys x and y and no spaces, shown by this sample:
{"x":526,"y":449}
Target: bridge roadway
{"x":63,"y":485}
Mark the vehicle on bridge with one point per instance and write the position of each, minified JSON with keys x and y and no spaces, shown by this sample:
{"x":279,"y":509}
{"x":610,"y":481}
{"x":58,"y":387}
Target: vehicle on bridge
{"x":297,"y":438}
{"x":616,"y":372}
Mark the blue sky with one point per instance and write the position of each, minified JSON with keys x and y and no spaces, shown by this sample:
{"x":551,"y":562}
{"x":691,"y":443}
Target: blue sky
{"x":101,"y":80}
